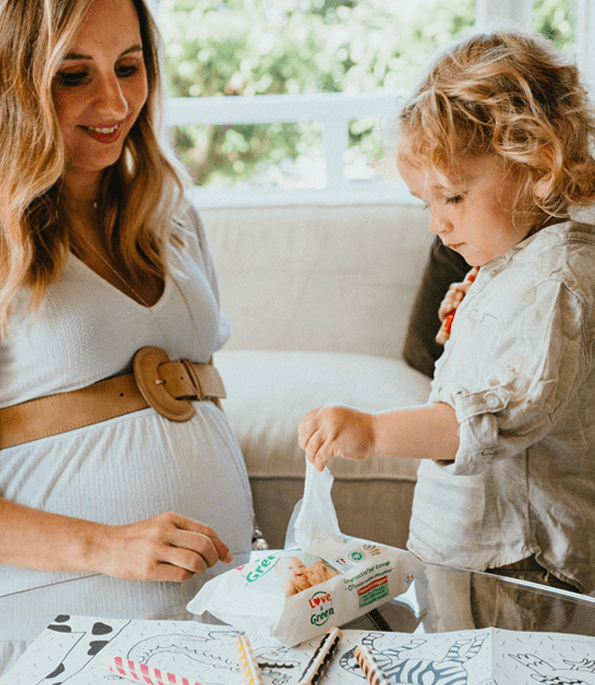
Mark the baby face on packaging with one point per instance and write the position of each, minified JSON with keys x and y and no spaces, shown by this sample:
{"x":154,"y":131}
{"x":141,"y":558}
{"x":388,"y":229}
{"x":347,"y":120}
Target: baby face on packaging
{"x":296,"y":569}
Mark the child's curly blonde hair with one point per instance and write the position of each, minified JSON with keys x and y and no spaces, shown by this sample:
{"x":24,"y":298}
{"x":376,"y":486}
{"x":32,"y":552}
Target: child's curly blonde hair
{"x":509,"y":94}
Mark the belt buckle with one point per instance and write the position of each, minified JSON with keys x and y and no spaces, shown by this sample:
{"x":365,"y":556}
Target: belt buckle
{"x":152,"y":387}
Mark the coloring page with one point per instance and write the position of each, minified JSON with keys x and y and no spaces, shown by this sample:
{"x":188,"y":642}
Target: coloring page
{"x":548,"y":658}
{"x":72,"y":649}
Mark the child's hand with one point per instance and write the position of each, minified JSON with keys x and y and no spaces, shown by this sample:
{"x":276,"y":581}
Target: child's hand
{"x":453,"y":298}
{"x":456,"y":293}
{"x":336,"y":432}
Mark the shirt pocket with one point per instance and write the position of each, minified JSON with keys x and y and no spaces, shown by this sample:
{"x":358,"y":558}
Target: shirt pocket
{"x":483,"y":318}
{"x":477,"y":332}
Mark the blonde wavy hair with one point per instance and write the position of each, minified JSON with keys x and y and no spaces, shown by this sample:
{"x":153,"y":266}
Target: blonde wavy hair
{"x":513,"y":95}
{"x":34,"y":232}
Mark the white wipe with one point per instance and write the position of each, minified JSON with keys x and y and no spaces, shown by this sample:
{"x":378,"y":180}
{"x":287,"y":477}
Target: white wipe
{"x":327,"y":580}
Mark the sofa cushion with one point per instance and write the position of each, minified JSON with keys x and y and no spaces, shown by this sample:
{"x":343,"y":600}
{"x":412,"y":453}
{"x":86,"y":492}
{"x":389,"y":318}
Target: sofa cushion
{"x":268,"y":392}
{"x":444,"y":266}
{"x":336,"y":279}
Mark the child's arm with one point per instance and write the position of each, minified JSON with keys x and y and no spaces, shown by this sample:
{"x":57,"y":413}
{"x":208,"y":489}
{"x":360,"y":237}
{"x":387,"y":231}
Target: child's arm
{"x":426,"y":432}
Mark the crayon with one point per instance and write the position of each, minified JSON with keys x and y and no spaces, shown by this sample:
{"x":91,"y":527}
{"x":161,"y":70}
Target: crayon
{"x":444,"y":333}
{"x":370,"y":667}
{"x":141,"y":673}
{"x":321,"y":658}
{"x":248,"y":665}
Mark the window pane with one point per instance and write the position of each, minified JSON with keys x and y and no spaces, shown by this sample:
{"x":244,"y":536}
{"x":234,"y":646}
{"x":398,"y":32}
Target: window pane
{"x":365,"y":145}
{"x":249,"y":47}
{"x":556,"y":19}
{"x":286,"y":155}
{"x":252,"y":47}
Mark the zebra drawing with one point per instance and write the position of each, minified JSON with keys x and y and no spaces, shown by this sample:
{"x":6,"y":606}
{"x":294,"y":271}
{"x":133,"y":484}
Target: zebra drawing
{"x":399,"y":667}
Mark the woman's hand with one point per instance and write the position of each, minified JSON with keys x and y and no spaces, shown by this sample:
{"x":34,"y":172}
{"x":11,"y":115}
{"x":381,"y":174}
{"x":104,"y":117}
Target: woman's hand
{"x":336,"y":432}
{"x":167,"y":547}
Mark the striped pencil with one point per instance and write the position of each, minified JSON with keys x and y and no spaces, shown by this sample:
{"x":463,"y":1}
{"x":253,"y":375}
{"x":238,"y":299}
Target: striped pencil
{"x":141,"y":673}
{"x":322,"y":657}
{"x":248,"y":665}
{"x":370,"y":667}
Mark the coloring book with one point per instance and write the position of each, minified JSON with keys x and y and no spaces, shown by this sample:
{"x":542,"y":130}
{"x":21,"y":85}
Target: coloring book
{"x":72,"y":649}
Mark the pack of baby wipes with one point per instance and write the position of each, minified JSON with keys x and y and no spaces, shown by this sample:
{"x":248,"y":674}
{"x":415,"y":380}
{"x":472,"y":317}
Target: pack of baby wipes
{"x":321,"y":579}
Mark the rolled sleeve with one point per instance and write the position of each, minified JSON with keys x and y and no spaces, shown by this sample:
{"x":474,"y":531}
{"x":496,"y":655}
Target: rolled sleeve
{"x":512,"y":384}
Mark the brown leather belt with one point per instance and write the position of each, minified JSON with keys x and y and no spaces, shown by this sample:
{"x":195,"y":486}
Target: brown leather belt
{"x":156,"y":382}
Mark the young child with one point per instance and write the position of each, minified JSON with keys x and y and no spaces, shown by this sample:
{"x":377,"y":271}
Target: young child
{"x":497,"y":139}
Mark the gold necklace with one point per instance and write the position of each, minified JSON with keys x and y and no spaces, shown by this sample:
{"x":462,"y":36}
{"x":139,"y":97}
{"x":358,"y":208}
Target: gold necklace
{"x":116,"y":273}
{"x":143,"y":301}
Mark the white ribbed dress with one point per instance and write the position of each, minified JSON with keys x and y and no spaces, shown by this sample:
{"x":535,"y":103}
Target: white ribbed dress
{"x":124,"y":469}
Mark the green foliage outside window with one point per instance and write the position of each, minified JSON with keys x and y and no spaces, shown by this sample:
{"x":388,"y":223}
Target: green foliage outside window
{"x":556,"y":19}
{"x":252,"y":47}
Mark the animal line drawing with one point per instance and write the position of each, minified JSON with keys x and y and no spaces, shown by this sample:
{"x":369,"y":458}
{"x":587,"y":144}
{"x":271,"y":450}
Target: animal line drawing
{"x":400,"y":667}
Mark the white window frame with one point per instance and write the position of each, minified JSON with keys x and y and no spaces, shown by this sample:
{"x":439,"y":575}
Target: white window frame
{"x":334,"y":111}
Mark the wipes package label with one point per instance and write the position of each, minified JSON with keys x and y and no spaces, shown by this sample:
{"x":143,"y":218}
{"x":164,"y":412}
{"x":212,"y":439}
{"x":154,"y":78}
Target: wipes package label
{"x":292,"y":595}
{"x":322,"y":607}
{"x":323,"y":579}
{"x":264,"y":566}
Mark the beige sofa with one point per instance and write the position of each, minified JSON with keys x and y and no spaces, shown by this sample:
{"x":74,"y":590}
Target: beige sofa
{"x":319,"y":299}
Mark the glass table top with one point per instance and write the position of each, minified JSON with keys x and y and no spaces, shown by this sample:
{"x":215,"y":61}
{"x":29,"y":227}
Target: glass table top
{"x":439,"y":599}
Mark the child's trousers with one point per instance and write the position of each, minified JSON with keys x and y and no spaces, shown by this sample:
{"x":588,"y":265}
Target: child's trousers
{"x":511,"y":606}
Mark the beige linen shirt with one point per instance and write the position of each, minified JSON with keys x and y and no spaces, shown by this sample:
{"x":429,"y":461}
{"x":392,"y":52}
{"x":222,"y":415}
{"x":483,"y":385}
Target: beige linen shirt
{"x":519,"y":371}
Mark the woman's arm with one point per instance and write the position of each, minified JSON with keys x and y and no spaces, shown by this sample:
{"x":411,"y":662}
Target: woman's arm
{"x":166,"y":547}
{"x":426,"y":432}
